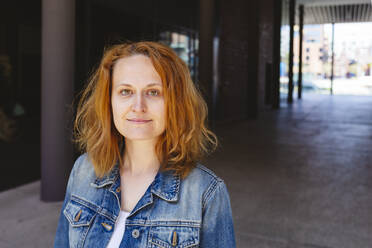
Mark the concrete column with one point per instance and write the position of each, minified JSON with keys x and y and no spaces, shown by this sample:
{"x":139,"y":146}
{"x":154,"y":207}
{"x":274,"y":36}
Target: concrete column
{"x":333,"y":57}
{"x":301,"y":9}
{"x":292,"y":4}
{"x":276,"y":53}
{"x":206,"y":34}
{"x":58,"y":56}
{"x":238,"y":60}
{"x":84,"y":62}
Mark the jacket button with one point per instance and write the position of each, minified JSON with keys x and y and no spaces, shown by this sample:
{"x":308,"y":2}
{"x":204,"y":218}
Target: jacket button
{"x":135,"y":233}
{"x":118,"y":190}
{"x":107,"y":226}
{"x":77,"y":217}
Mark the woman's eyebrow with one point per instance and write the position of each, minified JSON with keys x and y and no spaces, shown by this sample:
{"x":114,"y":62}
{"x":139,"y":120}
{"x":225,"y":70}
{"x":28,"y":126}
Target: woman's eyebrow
{"x":149,"y":85}
{"x":153,"y":84}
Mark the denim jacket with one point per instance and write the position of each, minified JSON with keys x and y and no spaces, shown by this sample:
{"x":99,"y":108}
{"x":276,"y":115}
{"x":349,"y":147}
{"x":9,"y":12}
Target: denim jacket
{"x":173,"y":212}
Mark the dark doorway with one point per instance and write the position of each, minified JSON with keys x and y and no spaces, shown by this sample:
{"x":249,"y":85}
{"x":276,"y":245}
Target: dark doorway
{"x":20,"y":85}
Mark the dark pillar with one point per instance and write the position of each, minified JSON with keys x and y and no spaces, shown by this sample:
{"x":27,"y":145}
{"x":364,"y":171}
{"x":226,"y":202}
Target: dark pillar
{"x":58,"y":41}
{"x":333,"y":56}
{"x":276,"y":53}
{"x":215,"y":81}
{"x":84,"y":61}
{"x":238,"y":60}
{"x":87,"y":28}
{"x":206,"y":34}
{"x":301,"y":9}
{"x":292,"y":4}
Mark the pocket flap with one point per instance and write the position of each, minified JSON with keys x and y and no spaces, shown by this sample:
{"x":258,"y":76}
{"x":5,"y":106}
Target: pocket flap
{"x":78,"y":214}
{"x":171,"y":237}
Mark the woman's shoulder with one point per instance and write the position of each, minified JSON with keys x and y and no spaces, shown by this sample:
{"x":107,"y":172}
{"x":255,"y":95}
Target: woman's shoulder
{"x":83,"y":170}
{"x":203,"y":178}
{"x":201,"y":171}
{"x":82,"y":163}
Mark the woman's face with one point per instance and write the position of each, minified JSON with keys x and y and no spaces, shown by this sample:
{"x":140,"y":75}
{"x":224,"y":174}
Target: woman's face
{"x":137,"y":99}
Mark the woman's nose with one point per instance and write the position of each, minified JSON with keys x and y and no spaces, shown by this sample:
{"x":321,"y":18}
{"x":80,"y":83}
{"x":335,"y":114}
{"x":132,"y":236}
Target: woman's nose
{"x":139,"y":104}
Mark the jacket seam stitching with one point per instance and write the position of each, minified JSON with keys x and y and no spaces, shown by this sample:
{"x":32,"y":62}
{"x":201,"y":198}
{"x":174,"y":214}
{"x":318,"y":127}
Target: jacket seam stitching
{"x":196,"y":225}
{"x":86,"y":232}
{"x":206,"y":170}
{"x":212,"y":188}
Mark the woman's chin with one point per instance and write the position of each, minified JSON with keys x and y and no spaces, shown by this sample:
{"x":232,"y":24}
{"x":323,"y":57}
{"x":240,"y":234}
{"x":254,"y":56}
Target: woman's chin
{"x":139,"y":137}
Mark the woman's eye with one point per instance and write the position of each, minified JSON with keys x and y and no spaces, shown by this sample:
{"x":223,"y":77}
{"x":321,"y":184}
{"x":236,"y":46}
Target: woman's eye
{"x":125,"y":92}
{"x":154,"y":92}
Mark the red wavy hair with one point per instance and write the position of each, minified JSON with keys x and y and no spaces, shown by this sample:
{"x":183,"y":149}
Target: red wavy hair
{"x":186,"y":138}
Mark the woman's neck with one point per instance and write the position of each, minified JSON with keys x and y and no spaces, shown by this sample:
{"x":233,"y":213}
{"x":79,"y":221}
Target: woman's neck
{"x":140,"y":157}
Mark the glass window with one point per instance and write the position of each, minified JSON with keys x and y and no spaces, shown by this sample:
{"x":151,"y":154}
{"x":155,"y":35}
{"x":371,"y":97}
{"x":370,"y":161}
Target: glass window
{"x":186,"y":45}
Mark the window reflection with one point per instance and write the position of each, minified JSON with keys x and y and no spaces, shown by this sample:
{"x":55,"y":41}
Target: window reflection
{"x":186,"y":45}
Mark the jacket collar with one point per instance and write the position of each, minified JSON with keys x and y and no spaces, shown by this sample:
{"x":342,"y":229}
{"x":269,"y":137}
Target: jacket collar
{"x":166,"y":184}
{"x":108,"y":179}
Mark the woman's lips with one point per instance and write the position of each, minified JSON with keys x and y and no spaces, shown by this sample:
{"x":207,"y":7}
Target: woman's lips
{"x":138,"y":120}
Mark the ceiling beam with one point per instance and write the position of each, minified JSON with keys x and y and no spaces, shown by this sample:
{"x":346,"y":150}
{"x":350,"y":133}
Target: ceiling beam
{"x":359,"y":12}
{"x":365,"y":13}
{"x":331,"y":2}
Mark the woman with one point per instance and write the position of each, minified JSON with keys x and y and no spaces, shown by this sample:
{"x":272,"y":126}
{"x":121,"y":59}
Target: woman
{"x":141,"y":122}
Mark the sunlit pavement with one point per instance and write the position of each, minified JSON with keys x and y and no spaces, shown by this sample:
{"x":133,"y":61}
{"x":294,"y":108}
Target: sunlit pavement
{"x":360,"y":86}
{"x":299,"y":177}
{"x":353,"y":86}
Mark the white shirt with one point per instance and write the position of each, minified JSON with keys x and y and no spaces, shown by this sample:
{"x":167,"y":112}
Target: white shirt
{"x":119,"y":229}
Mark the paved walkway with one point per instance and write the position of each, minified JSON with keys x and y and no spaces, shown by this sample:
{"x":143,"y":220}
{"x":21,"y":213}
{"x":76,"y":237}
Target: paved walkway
{"x":25,"y":220}
{"x":300,"y":177}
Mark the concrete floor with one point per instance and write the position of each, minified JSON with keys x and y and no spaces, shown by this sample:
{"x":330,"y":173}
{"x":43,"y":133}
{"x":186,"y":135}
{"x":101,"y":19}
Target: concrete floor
{"x":300,"y":177}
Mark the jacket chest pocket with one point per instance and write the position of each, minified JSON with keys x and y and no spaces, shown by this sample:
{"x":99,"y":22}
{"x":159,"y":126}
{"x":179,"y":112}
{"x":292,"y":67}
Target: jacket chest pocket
{"x":80,"y":218}
{"x":163,"y":236}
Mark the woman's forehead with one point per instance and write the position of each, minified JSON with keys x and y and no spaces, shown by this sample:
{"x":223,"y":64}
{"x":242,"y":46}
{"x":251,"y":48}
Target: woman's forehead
{"x":135,"y":70}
